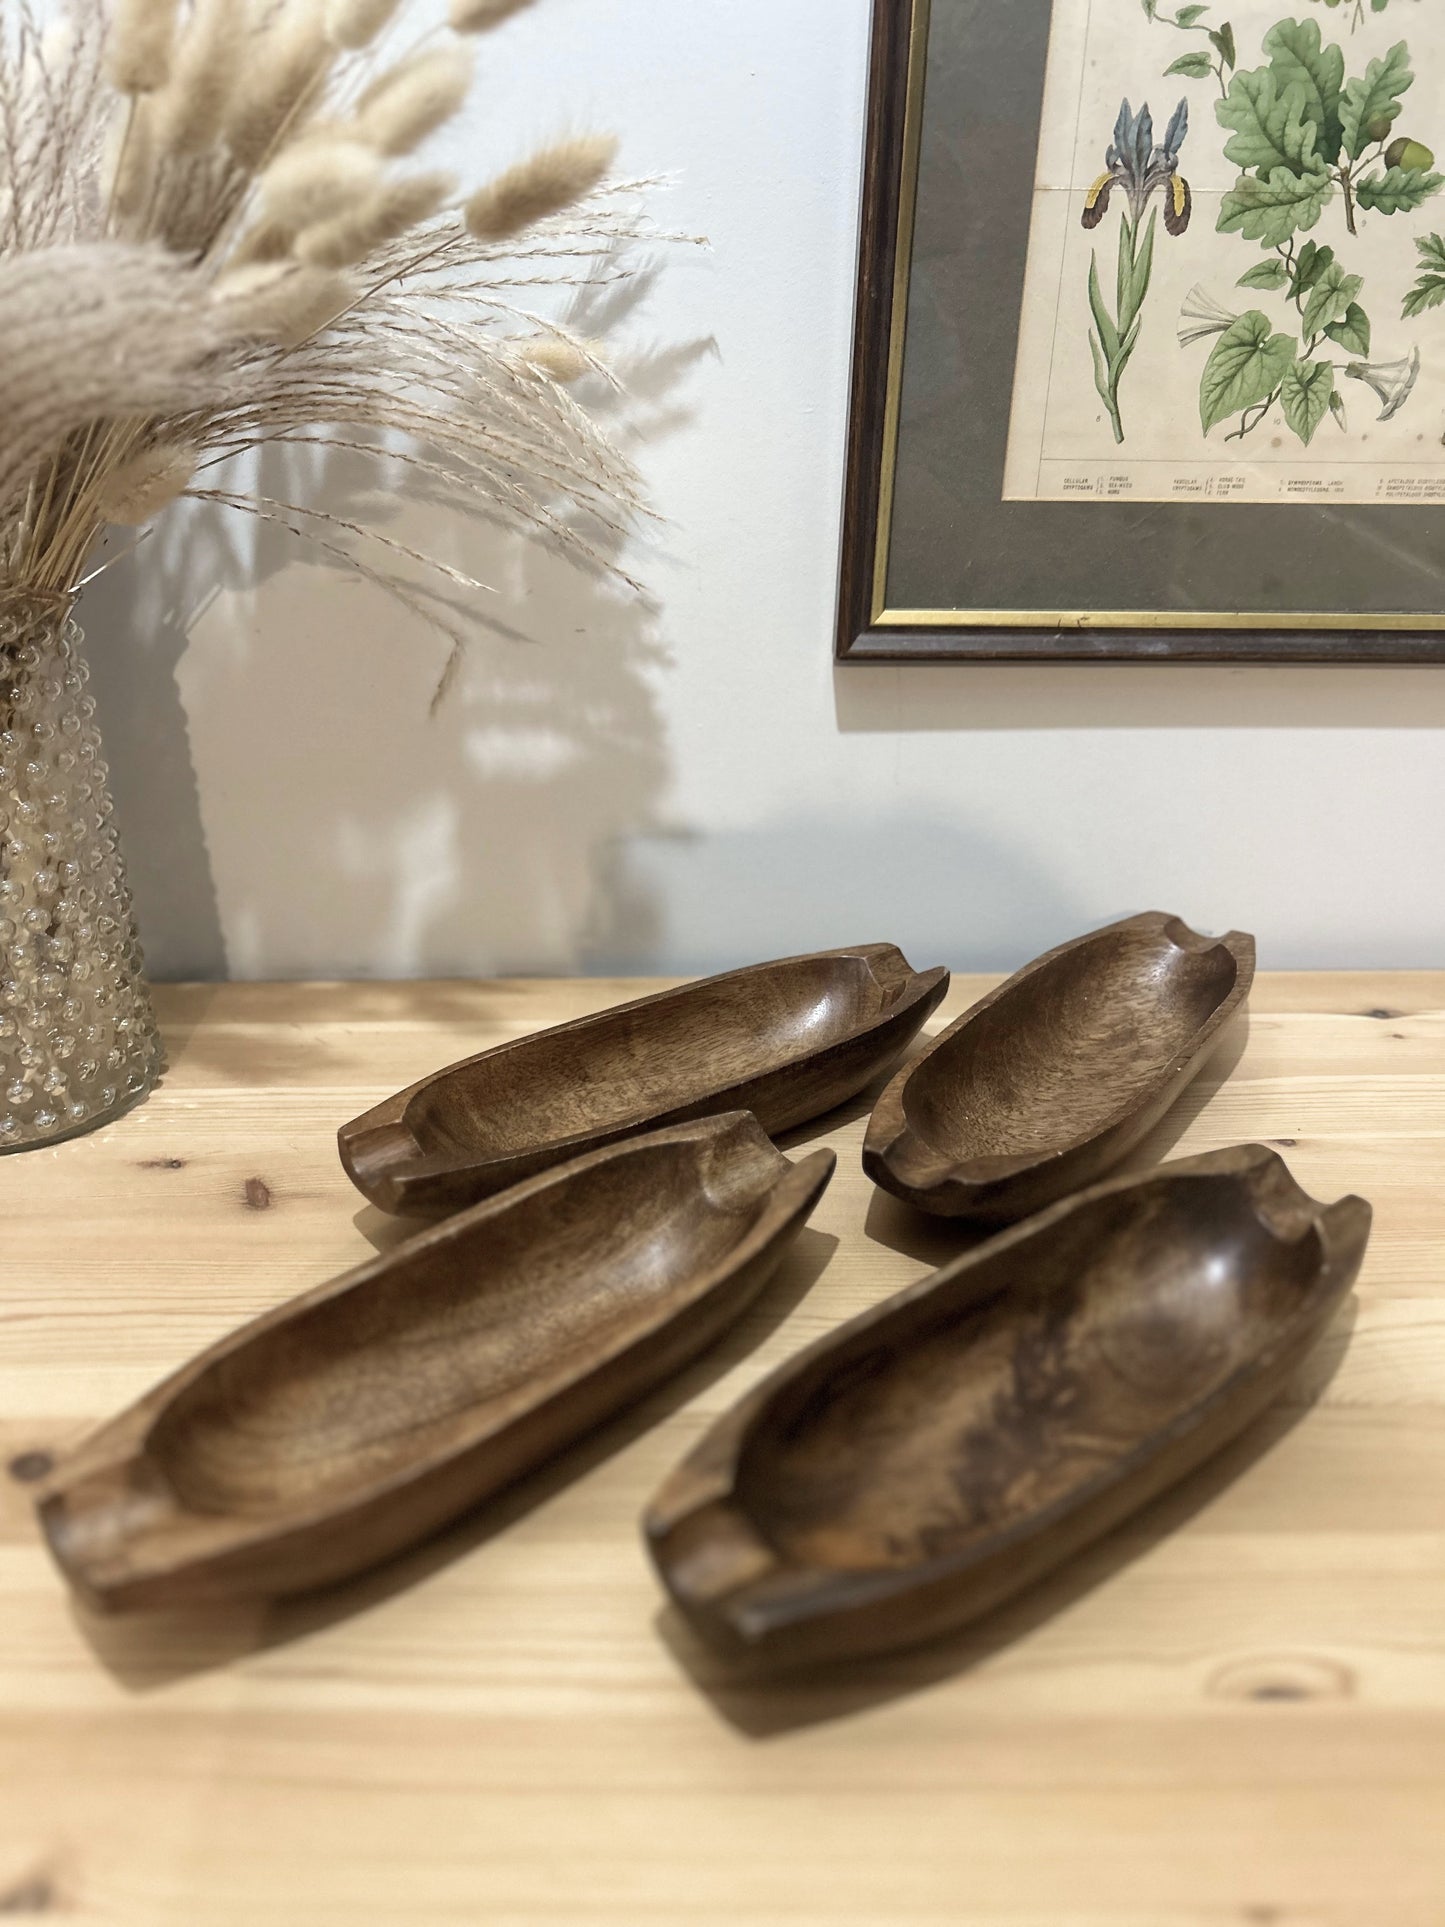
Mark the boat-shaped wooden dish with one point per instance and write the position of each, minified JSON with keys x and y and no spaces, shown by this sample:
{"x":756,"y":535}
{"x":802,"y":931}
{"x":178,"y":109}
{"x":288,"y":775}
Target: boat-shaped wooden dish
{"x":916,"y":1467}
{"x":786,"y":1041}
{"x":1052,"y":1079}
{"x":345,"y":1425}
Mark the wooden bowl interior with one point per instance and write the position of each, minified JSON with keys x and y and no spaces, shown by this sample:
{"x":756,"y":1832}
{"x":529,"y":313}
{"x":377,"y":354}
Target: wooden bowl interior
{"x":924,"y":1438}
{"x":679,"y":1050}
{"x":1069,"y":1050}
{"x":420,"y":1356}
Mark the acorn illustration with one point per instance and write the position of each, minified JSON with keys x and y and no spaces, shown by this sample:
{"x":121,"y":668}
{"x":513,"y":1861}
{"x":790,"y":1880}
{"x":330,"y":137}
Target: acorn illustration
{"x":1408,"y":153}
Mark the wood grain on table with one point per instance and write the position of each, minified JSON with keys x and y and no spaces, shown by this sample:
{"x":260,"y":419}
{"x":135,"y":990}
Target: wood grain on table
{"x":1233,"y":1711}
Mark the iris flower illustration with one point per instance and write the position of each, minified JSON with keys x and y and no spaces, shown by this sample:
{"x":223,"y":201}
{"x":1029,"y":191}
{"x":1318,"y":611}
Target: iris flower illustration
{"x":1133,"y":162}
{"x":1140,"y":168}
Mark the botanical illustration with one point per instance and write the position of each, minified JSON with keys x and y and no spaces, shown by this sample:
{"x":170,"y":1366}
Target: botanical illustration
{"x":1357,"y":8}
{"x":1223,"y":53}
{"x":1140,"y":169}
{"x":1199,"y":64}
{"x":1310,"y":141}
{"x":1307,"y":361}
{"x":1301,"y":131}
{"x":1429,"y":288}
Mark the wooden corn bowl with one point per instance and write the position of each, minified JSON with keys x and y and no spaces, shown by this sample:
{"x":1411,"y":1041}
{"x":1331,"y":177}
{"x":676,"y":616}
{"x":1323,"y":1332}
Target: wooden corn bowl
{"x":362,"y":1416}
{"x":920,"y":1465}
{"x":1048,"y":1083}
{"x":786,"y":1041}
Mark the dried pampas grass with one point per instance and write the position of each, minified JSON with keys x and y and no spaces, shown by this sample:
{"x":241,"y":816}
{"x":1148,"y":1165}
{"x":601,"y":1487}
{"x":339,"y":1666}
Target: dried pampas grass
{"x":479,"y":16}
{"x":211,"y":242}
{"x":286,"y":57}
{"x":149,"y":482}
{"x":391,"y":213}
{"x":538,"y":188}
{"x":353,"y":24}
{"x":188,"y":113}
{"x":318,"y":181}
{"x":138,"y":58}
{"x":399,"y":111}
{"x":560,"y":359}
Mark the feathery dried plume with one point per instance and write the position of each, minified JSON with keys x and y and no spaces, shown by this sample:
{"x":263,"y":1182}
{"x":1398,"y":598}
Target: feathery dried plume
{"x":208,"y":58}
{"x":353,"y":24}
{"x":130,"y":161}
{"x":555,"y":178}
{"x":284,"y":62}
{"x":411,"y":100}
{"x":316,"y":181}
{"x":138,"y":489}
{"x":283,"y":301}
{"x":262,"y":242}
{"x":559,"y":359}
{"x":394,"y":210}
{"x":479,"y":16}
{"x":92,"y":332}
{"x":235,"y":271}
{"x":138,"y":54}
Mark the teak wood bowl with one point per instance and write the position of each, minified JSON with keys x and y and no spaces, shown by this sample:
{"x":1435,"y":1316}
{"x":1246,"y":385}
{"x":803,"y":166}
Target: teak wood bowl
{"x":362,"y":1416}
{"x":1052,"y":1079}
{"x":939,"y":1453}
{"x":786,"y":1041}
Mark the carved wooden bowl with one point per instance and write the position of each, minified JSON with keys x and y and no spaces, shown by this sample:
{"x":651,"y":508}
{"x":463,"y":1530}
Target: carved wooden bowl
{"x":942,"y":1451}
{"x":1052,"y":1079}
{"x":360,"y":1417}
{"x":786,"y":1041}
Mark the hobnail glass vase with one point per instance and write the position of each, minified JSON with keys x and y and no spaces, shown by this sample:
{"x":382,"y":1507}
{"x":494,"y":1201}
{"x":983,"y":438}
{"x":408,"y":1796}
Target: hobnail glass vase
{"x":78,"y":1038}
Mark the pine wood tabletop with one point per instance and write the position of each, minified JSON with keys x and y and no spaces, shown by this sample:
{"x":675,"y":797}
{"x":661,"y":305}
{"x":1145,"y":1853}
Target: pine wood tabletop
{"x":1229,"y":1714}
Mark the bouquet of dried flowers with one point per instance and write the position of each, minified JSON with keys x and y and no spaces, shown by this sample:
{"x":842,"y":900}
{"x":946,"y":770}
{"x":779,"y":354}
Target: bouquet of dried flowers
{"x":214,"y":236}
{"x":217,"y":236}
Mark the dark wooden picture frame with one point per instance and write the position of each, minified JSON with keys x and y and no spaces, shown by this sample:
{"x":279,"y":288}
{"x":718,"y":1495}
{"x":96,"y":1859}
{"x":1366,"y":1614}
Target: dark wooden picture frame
{"x":867,"y":630}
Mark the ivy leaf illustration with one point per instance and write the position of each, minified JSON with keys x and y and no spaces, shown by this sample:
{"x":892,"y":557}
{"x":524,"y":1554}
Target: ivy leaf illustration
{"x":1151,"y":9}
{"x":1271,"y":124}
{"x":1399,"y":190}
{"x":1272,"y":209}
{"x":1310,"y":264}
{"x":1221,"y":38}
{"x":1304,"y":396}
{"x":1187,"y":16}
{"x":1247,"y":365}
{"x":1192,"y":66}
{"x":1370,"y":103}
{"x":1265,"y":274}
{"x":1330,"y":298}
{"x":1352,"y":331}
{"x":1299,"y":59}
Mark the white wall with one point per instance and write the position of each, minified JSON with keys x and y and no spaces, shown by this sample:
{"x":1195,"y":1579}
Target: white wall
{"x":700,"y":787}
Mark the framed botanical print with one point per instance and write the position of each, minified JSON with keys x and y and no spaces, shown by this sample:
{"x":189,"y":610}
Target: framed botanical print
{"x":1150,"y":340}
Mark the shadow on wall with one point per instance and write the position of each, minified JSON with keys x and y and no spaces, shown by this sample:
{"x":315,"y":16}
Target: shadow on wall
{"x":941,"y":891}
{"x":288,"y":804}
{"x":136,"y":620}
{"x":1111,"y":695}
